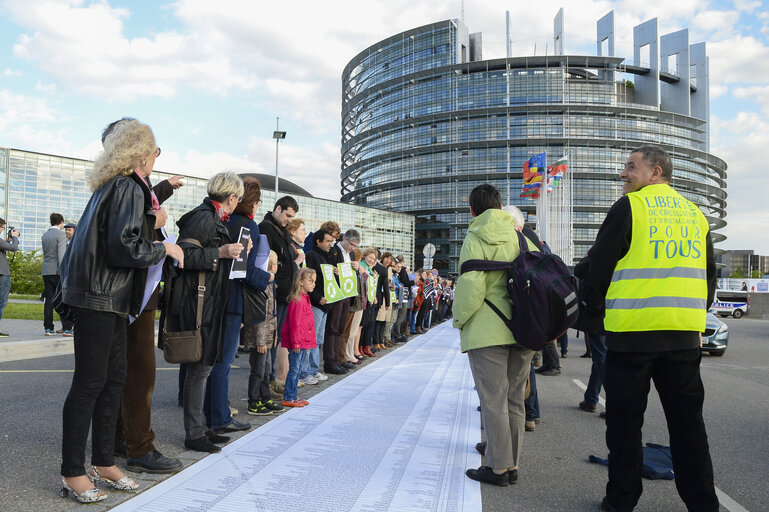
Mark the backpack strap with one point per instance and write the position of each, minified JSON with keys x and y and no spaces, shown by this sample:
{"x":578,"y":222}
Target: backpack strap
{"x":485,"y":266}
{"x":523,"y":243}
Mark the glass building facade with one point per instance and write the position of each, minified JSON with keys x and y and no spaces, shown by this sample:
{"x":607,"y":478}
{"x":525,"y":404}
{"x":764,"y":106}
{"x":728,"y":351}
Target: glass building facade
{"x":33,"y":185}
{"x":425,"y":120}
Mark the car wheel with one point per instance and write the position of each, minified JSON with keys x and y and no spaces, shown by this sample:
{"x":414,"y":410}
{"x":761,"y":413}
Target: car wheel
{"x":718,"y":354}
{"x":737,"y":313}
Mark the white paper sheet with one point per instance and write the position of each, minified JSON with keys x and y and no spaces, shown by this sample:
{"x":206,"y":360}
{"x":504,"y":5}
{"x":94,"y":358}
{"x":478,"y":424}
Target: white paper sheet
{"x":396,"y":435}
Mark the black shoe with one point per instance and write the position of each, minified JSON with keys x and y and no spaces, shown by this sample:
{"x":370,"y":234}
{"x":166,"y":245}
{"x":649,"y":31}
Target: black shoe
{"x":541,"y":369}
{"x":512,"y":476}
{"x":233,"y":426}
{"x":216,"y":438}
{"x":334,"y":370}
{"x":550,"y":372}
{"x":480,"y":448}
{"x":154,"y":462}
{"x":486,"y":475}
{"x":120,"y":449}
{"x":605,"y":505}
{"x":201,"y":444}
{"x":3,"y":334}
{"x":585,"y":355}
{"x":348,"y":366}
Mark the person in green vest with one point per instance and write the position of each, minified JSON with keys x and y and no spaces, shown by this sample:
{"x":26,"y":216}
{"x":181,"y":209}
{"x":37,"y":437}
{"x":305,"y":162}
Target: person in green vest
{"x":653,"y":263}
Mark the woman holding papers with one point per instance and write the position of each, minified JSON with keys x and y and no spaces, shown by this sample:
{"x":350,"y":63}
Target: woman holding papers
{"x":218,"y":414}
{"x":208,"y":248}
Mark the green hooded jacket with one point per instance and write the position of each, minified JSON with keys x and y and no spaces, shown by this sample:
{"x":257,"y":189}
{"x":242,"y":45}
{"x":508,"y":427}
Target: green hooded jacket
{"x":490,"y":236}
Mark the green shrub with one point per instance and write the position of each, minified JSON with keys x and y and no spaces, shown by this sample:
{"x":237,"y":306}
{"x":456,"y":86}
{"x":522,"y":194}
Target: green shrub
{"x":26,"y":267}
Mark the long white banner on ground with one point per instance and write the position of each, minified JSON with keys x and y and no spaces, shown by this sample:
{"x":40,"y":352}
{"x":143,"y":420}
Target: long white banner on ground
{"x":396,"y":435}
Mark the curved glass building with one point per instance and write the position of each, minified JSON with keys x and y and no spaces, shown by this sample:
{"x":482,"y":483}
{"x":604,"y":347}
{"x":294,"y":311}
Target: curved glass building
{"x":425,"y":119}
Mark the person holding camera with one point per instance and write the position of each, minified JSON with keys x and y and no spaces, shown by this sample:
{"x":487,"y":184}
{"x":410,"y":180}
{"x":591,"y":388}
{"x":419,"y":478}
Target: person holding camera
{"x":5,"y":271}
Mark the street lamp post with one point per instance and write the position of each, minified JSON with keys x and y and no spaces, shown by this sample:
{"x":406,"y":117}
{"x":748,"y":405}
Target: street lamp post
{"x":278,"y":136}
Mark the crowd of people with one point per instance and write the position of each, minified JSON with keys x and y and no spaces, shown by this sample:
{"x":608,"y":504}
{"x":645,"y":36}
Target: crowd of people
{"x":282,"y":309}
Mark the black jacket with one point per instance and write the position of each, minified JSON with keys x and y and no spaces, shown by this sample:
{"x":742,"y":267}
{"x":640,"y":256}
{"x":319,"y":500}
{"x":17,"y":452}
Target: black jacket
{"x":611,"y":244}
{"x":105,"y":265}
{"x":280,"y":242}
{"x":382,"y":286}
{"x":591,"y":310}
{"x":202,"y":224}
{"x":316,"y":258}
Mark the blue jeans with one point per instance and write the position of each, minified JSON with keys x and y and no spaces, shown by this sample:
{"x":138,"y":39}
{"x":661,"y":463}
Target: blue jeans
{"x":532,"y":403}
{"x":598,"y":370}
{"x":412,"y":322}
{"x":564,"y":339}
{"x":311,"y":362}
{"x":5,"y":289}
{"x":217,"y":405}
{"x":291,"y":391}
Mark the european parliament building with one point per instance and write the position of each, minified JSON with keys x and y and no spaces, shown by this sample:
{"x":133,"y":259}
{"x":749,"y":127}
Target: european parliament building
{"x":425,"y":119}
{"x":33,"y":185}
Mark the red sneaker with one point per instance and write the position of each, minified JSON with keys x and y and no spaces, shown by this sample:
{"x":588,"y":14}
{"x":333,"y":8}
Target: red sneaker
{"x":292,"y":403}
{"x":304,"y":402}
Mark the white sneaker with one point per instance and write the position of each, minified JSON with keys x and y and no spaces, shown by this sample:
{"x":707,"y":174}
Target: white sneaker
{"x":310,"y":380}
{"x":320,"y":376}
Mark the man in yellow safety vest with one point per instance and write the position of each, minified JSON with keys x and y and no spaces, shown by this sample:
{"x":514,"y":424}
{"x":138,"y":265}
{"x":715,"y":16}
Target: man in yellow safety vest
{"x":653,"y":263}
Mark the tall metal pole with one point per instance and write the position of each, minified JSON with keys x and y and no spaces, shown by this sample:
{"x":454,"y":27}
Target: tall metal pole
{"x":277,"y":142}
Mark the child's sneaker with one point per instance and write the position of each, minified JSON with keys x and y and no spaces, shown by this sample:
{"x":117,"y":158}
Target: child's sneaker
{"x":272,"y":406}
{"x":292,"y":403}
{"x":258,"y":409}
{"x":305,"y":402}
{"x":320,"y":376}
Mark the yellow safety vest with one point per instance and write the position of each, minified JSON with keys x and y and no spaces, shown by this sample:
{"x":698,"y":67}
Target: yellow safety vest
{"x":661,"y":283}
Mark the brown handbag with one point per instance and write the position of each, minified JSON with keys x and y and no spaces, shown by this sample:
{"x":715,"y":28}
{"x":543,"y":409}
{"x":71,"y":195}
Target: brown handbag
{"x":185,"y":346}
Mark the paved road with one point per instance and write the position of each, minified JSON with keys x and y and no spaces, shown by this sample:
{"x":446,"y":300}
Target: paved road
{"x":554,"y":474}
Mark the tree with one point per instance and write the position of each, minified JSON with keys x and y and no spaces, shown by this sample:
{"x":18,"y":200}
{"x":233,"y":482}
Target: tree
{"x":738,"y":273}
{"x":755,"y":274}
{"x":26,"y":267}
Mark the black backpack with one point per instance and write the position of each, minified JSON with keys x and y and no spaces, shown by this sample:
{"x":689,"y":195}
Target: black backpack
{"x":542,"y":291}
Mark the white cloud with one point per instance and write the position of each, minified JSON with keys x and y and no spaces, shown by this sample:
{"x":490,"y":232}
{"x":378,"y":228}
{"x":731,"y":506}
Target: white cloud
{"x":718,"y":90}
{"x":45,"y":88}
{"x":747,"y":5}
{"x":738,"y":59}
{"x":316,"y":170}
{"x":742,"y":141}
{"x":12,"y":72}
{"x":757,"y":93}
{"x":718,"y":23}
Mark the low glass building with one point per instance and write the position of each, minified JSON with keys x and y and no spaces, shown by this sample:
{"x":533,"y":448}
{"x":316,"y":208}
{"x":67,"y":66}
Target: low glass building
{"x":33,"y":185}
{"x":425,"y":120}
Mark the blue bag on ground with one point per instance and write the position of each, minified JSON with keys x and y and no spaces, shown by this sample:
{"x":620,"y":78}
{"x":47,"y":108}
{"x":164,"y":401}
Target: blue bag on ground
{"x":657,"y":465}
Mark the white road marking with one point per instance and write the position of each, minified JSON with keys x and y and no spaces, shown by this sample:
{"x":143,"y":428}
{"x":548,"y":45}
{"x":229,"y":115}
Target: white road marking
{"x":583,"y":387}
{"x":726,"y":501}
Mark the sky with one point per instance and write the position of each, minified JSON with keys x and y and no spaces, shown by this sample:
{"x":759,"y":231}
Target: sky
{"x":211,"y":78}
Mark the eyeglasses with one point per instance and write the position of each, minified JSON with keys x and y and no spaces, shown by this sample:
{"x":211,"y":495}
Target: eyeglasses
{"x":157,"y":152}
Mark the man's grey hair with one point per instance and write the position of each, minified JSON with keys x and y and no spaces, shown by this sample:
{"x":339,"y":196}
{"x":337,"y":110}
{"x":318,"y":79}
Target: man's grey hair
{"x":656,"y":156}
{"x":352,"y":235}
{"x":516,"y":214}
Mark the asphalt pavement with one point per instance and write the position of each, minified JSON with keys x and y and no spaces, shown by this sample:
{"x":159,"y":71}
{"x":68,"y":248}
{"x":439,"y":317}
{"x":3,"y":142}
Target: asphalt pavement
{"x":554,"y":475}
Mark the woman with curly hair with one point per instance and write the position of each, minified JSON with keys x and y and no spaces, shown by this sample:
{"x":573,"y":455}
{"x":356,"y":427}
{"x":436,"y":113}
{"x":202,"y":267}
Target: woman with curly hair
{"x":103,"y":275}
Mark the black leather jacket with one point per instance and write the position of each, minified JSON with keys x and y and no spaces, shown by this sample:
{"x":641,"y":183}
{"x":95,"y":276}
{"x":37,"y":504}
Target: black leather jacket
{"x":105,"y":266}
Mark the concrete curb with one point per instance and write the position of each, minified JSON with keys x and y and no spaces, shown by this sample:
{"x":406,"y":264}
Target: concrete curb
{"x":33,"y":349}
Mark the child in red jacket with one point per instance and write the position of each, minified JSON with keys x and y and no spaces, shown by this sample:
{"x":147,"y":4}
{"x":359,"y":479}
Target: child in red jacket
{"x":298,"y":333}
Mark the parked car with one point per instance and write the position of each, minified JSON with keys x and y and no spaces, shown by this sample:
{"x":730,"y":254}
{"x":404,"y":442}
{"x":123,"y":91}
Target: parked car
{"x":734,"y":303}
{"x":716,"y":336}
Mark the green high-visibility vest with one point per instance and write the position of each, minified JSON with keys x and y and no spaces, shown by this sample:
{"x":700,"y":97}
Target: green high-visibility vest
{"x":661,"y":283}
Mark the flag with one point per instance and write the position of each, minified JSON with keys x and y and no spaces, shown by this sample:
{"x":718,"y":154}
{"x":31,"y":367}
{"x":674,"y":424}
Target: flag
{"x":533,"y":171}
{"x":556,"y":172}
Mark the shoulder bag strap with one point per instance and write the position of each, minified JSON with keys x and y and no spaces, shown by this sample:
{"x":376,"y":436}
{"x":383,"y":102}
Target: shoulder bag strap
{"x":201,"y":284}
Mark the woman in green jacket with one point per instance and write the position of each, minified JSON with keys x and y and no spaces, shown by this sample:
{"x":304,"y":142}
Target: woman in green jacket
{"x":500,"y":366}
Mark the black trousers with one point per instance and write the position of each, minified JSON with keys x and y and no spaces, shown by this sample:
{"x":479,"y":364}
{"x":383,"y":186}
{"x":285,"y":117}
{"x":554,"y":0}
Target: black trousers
{"x":676,"y":376}
{"x":550,"y":358}
{"x":332,"y":338}
{"x":97,"y":386}
{"x":49,"y":290}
